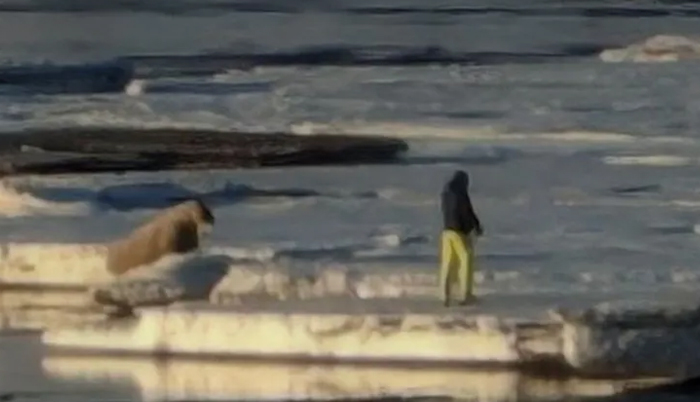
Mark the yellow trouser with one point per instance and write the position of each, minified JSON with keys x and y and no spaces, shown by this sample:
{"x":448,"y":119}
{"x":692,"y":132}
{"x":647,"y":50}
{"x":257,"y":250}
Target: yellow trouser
{"x":455,"y":244}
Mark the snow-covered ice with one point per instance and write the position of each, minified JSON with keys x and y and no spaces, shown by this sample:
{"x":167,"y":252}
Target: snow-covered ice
{"x":198,"y":329}
{"x":53,"y":264}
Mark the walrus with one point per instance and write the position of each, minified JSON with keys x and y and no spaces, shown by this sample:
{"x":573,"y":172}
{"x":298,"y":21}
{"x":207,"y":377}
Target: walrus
{"x":176,"y":230}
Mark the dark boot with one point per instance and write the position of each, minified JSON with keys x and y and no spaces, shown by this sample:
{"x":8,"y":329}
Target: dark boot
{"x":469,"y":299}
{"x":446,"y":291}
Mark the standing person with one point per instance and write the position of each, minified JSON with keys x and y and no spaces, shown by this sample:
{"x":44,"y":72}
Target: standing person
{"x":460,"y":224}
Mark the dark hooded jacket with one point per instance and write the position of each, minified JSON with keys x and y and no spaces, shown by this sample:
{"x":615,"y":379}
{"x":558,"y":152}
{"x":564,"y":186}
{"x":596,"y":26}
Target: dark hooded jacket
{"x":457,"y":211}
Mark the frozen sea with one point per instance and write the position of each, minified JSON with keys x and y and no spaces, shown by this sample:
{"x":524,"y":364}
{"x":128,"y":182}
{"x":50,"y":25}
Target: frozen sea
{"x":586,"y":174}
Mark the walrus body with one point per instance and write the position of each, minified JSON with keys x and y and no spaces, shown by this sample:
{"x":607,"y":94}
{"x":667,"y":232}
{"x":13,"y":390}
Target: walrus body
{"x":174,"y":231}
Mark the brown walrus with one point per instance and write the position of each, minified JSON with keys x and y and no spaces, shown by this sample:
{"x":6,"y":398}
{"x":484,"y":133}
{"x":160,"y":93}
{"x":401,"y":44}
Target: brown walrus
{"x":176,"y":230}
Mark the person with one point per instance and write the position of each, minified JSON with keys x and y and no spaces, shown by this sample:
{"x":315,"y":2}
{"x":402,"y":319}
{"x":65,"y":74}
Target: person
{"x":460,"y":224}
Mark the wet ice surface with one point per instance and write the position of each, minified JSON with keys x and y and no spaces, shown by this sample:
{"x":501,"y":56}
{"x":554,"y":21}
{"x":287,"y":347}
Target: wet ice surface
{"x":22,"y":377}
{"x":187,"y":57}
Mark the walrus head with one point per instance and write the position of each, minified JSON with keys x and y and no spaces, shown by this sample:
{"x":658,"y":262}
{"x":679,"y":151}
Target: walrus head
{"x":201,"y":214}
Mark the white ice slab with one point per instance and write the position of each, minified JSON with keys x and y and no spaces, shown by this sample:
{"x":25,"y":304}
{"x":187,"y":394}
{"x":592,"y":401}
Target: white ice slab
{"x":196,"y":329}
{"x":651,"y":339}
{"x":614,"y":346}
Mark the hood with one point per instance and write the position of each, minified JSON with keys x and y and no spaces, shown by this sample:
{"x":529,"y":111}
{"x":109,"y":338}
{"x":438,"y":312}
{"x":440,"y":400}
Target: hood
{"x":458,"y":183}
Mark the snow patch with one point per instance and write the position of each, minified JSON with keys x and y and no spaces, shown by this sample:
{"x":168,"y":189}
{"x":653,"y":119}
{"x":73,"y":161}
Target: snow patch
{"x":17,"y":200}
{"x":136,"y":88}
{"x":659,"y":48}
{"x":650,"y":160}
{"x":276,"y":283}
{"x":52,"y":264}
{"x":454,"y":132}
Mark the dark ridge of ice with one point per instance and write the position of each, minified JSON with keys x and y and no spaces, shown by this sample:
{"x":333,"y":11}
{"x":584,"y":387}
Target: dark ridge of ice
{"x":346,"y":56}
{"x":65,"y":79}
{"x":98,"y":149}
{"x":525,"y":9}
